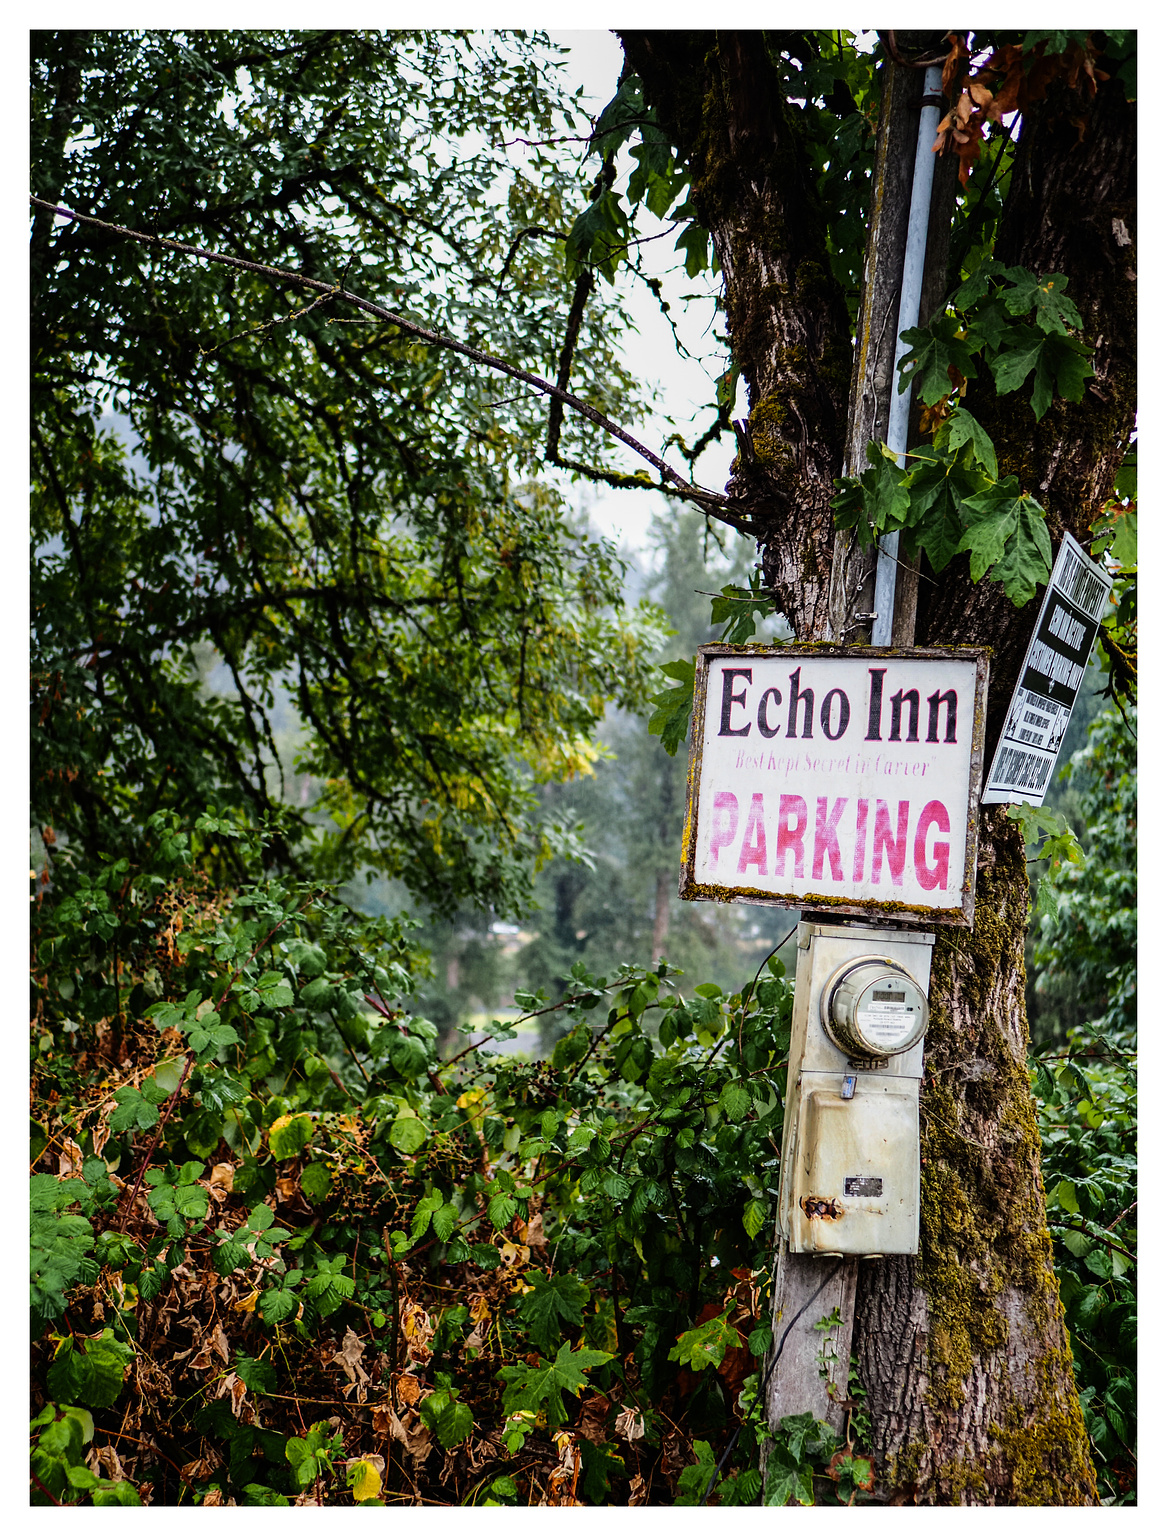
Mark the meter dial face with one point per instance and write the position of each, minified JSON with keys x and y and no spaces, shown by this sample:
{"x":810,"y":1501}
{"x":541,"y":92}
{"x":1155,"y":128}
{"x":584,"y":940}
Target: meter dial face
{"x":874,"y":1008}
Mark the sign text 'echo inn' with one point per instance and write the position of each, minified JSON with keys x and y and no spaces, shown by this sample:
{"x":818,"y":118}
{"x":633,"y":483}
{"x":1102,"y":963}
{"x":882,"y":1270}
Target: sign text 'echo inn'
{"x":840,"y":780}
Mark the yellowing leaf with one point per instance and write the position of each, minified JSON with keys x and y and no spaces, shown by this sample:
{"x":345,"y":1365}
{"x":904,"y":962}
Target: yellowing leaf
{"x":364,"y":1480}
{"x":289,"y":1135}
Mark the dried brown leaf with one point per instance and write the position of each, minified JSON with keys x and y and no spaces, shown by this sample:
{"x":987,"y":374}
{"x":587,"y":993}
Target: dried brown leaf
{"x":349,"y":1355}
{"x":219,"y":1343}
{"x":630,"y":1424}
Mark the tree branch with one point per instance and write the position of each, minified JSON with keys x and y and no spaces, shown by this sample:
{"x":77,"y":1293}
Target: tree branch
{"x":670,"y":479}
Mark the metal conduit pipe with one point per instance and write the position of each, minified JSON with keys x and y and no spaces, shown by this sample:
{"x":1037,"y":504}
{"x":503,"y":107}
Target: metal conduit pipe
{"x":909,"y":316}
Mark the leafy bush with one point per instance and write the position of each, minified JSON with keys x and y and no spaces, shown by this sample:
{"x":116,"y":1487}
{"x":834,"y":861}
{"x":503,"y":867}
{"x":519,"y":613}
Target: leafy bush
{"x":309,"y":1241}
{"x":1086,"y":1099}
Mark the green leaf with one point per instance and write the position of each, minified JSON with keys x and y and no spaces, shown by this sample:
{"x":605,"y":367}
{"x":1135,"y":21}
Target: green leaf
{"x":230,"y":1256}
{"x":790,"y":1486}
{"x":122,"y":1493}
{"x":134,"y":1112}
{"x":886,"y":498}
{"x":553,"y":1304}
{"x":445,"y":1219}
{"x":670,"y":720}
{"x":501,"y":1210}
{"x":454,"y":1425}
{"x":530,"y":1388}
{"x":256,"y":1375}
{"x":760,"y":1340}
{"x":934,"y":349}
{"x":289,"y":1135}
{"x":328,"y":1290}
{"x":1015,"y":362}
{"x":1006,"y":531}
{"x":1054,"y":359}
{"x":694,"y":241}
{"x":600,"y":1465}
{"x":1067,"y":1196}
{"x":707,"y":1343}
{"x":315,"y":1181}
{"x":1054,"y":312}
{"x":754,"y":1218}
{"x":1125,"y":547}
{"x":735,"y":1102}
{"x":407,"y":1134}
{"x":976,"y":287}
{"x":963,"y":427}
{"x":89,"y":1372}
{"x":1068,"y":362}
{"x":277,"y":1305}
{"x":408,"y":1056}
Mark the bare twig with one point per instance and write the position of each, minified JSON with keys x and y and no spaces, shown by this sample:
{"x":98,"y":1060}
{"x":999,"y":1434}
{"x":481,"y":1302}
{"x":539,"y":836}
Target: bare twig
{"x":267,"y":325}
{"x":531,"y":229}
{"x":44,"y":1490}
{"x":150,"y":1150}
{"x":889,"y":42}
{"x":1072,"y":1226}
{"x":670,"y":480}
{"x":1121,"y":1214}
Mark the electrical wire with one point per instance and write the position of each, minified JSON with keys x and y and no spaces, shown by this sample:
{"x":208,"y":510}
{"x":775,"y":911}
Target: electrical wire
{"x":767,"y":960}
{"x":717,"y":1471}
{"x":814,"y":1295}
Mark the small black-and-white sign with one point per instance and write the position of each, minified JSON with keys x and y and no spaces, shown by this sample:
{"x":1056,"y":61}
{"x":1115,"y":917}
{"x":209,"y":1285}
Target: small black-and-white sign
{"x":1055,"y":665}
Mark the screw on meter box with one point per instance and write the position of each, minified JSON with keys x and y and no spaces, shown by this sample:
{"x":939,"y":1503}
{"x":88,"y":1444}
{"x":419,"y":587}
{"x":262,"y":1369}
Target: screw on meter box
{"x":836,"y":778}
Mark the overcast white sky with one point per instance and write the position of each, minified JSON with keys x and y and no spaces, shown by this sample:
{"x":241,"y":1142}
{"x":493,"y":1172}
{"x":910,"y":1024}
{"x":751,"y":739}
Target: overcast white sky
{"x":685,"y":386}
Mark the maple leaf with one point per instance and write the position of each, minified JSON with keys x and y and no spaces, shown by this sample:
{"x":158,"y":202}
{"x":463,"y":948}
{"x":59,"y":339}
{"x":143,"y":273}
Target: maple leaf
{"x":1053,"y":359}
{"x":1054,"y":310}
{"x":962,"y":427}
{"x":549,"y":1305}
{"x":934,"y":349}
{"x":541,"y":1386}
{"x":1006,"y":531}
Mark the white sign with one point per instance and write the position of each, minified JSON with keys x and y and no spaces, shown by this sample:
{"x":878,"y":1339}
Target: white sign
{"x":837,"y":779}
{"x":1055,"y":664}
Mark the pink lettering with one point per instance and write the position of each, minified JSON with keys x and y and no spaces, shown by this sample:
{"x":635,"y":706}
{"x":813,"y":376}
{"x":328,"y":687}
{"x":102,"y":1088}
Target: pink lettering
{"x":826,"y":840}
{"x":725,"y":815}
{"x":860,"y":840}
{"x":790,"y":836}
{"x":897,"y":849}
{"x":932,"y":876}
{"x":754,"y":852}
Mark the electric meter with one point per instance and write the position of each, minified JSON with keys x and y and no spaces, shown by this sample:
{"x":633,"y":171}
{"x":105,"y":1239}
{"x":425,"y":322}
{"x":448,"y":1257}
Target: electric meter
{"x":850,"y":1181}
{"x":874,"y":1008}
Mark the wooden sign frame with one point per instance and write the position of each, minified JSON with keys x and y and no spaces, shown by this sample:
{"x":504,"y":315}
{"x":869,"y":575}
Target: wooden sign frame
{"x":871,"y":660}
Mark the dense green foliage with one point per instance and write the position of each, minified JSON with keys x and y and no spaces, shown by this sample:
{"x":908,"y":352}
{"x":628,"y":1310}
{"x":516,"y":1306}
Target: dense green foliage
{"x":622,"y":905}
{"x":298,"y":1236}
{"x":314,"y":502}
{"x":1085,"y":1083}
{"x":951,"y":498}
{"x":288,"y":1185}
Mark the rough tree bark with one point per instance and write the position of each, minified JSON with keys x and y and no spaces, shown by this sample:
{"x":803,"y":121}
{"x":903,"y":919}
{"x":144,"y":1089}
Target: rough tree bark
{"x":963,"y":1349}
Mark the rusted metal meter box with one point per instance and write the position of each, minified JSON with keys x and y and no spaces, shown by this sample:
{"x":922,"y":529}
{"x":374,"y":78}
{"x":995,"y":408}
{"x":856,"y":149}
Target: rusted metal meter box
{"x":850,"y":1181}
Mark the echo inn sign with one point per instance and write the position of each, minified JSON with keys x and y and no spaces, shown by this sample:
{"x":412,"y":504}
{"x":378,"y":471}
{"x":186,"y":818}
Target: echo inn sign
{"x":843,"y":780}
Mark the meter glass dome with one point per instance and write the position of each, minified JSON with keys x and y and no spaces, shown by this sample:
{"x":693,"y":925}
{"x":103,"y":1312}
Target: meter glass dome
{"x":874,"y":1008}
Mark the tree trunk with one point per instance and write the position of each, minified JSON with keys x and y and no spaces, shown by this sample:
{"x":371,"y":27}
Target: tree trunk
{"x":716,"y":94}
{"x":963,"y":1349}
